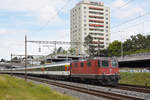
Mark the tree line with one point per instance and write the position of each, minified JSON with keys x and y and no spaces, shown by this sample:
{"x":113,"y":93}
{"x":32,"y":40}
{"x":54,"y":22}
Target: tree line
{"x":135,"y":44}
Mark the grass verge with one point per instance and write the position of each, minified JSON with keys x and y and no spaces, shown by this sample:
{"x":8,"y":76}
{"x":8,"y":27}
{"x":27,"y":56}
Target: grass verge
{"x":142,"y":79}
{"x":17,"y":89}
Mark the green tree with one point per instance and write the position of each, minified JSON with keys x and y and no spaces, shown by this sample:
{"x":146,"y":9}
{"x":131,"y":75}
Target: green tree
{"x":89,"y":44}
{"x":104,"y":53}
{"x":16,"y":60}
{"x":30,"y":57}
{"x":71,"y":51}
{"x":114,"y":48}
{"x":2,"y":60}
{"x":60,"y":50}
{"x":147,"y":42}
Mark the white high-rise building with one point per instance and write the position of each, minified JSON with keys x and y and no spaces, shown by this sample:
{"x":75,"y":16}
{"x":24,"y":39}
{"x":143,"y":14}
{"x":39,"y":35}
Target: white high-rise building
{"x":93,"y":18}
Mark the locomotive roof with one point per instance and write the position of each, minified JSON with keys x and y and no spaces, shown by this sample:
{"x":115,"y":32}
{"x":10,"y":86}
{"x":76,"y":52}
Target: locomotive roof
{"x":95,"y":58}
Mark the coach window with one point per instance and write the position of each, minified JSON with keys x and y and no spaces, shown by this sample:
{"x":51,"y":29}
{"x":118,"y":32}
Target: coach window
{"x":89,"y":64}
{"x":99,"y":63}
{"x":105,"y":63}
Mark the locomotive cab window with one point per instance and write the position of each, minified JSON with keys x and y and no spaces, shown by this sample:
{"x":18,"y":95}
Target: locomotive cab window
{"x":82,"y":64}
{"x":105,"y":63}
{"x":99,"y":63}
{"x":89,"y":64}
{"x":114,"y":64}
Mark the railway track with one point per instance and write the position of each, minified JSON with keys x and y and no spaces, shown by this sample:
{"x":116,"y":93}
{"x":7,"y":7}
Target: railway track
{"x":136,"y":88}
{"x":98,"y":93}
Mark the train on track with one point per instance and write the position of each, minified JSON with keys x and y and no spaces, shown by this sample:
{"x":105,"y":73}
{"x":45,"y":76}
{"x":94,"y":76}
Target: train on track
{"x":104,"y":71}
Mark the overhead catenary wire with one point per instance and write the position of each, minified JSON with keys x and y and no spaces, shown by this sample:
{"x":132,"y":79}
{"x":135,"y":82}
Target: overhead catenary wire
{"x":128,"y":27}
{"x":122,"y":6}
{"x":130,"y":20}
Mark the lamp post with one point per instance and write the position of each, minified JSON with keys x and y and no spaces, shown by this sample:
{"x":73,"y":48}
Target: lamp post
{"x":11,"y":65}
{"x":25,"y":58}
{"x":121,"y":50}
{"x":121,"y":44}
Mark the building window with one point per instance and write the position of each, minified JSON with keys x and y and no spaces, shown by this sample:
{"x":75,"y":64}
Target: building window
{"x":84,"y":24}
{"x":106,"y":26}
{"x":106,"y":30}
{"x":106,"y":18}
{"x":92,"y":12}
{"x":84,"y":7}
{"x":106,"y":22}
{"x":106,"y":10}
{"x":84,"y":33}
{"x":85,"y":29}
{"x":98,"y":17}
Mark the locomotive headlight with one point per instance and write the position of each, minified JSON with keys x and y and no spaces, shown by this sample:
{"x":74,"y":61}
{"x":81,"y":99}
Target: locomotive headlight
{"x":116,"y":73}
{"x":110,"y":70}
{"x":104,"y":73}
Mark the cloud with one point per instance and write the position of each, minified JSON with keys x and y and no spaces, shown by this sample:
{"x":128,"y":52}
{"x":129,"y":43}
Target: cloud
{"x":12,"y":41}
{"x":11,"y":31}
{"x":128,"y":11}
{"x":134,"y":28}
{"x":43,"y":10}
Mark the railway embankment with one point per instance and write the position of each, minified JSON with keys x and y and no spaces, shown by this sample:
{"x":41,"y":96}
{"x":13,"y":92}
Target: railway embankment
{"x":135,"y":78}
{"x":18,"y":89}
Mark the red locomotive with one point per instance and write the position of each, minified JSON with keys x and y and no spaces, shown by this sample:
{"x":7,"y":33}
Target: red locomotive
{"x":103,"y":71}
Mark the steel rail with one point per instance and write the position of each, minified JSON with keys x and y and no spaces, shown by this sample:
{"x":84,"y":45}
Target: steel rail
{"x":137,"y":88}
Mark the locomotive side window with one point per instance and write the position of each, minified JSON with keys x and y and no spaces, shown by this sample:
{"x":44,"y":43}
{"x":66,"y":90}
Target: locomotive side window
{"x":114,"y":64}
{"x":82,"y":64}
{"x":75,"y":65}
{"x":105,"y":63}
{"x":99,"y":63}
{"x":88,"y":63}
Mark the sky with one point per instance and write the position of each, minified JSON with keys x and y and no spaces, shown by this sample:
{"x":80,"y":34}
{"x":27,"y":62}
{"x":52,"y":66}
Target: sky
{"x":50,"y":20}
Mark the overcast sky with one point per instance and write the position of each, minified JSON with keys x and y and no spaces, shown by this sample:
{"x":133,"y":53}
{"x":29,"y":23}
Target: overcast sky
{"x":39,"y":20}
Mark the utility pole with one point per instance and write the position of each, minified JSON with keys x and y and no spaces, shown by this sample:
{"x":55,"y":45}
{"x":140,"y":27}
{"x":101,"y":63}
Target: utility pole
{"x":55,"y":52}
{"x":121,"y":50}
{"x":121,"y":44}
{"x":11,"y":65}
{"x":99,"y":47}
{"x":25,"y":58}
